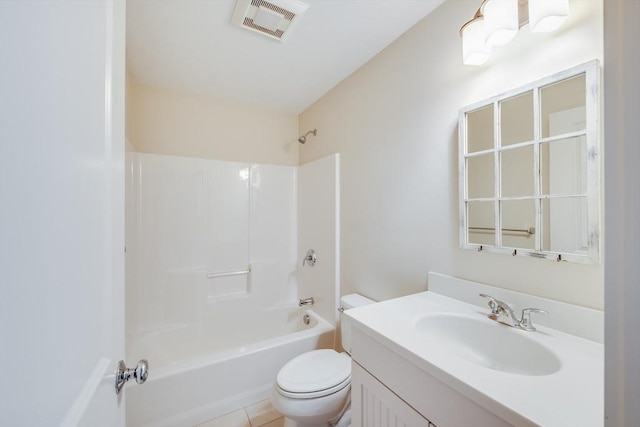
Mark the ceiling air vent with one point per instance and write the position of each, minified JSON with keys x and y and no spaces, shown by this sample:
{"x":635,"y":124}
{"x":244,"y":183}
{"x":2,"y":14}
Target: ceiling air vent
{"x":274,"y":18}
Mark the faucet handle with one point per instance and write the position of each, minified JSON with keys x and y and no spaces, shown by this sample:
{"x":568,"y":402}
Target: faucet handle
{"x":525,"y":320}
{"x":493,"y":304}
{"x":310,"y":258}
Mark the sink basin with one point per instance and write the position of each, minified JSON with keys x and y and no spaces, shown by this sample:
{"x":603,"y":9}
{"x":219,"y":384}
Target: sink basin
{"x":489,"y":344}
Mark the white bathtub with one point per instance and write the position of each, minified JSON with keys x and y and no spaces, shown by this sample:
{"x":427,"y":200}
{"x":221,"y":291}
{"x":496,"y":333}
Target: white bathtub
{"x":201,"y":371}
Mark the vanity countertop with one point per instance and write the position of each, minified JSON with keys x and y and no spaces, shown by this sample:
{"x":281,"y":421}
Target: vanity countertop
{"x":573,"y":395}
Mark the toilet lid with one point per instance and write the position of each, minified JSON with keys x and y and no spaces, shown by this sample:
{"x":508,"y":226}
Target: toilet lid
{"x":314,"y":371}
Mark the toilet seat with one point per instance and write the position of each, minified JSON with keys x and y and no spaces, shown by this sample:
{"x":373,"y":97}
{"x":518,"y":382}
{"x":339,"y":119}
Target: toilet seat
{"x":314,"y":374}
{"x":314,"y":394}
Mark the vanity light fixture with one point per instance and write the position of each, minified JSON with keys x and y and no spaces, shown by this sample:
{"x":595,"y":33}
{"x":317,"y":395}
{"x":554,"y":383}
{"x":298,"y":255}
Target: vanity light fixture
{"x":475,"y":50}
{"x":547,"y":15}
{"x":496,"y":23}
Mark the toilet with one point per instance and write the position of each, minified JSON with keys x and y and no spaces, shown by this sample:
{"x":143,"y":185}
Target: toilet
{"x":314,"y":388}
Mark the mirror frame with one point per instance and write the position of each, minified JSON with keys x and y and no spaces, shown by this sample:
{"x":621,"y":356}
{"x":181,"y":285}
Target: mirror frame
{"x":592,"y":133}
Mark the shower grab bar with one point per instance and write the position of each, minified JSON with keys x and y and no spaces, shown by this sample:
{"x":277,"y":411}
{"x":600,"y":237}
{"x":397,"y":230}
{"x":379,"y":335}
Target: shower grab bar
{"x":229,"y":273}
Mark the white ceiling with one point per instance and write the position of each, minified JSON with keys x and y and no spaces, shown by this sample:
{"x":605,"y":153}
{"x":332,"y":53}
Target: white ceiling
{"x":191,"y":45}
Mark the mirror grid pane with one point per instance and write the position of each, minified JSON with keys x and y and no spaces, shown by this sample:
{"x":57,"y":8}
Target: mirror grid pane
{"x":516,"y":119}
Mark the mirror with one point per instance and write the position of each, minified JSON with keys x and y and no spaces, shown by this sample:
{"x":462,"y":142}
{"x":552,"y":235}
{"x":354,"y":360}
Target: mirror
{"x":530,"y":169}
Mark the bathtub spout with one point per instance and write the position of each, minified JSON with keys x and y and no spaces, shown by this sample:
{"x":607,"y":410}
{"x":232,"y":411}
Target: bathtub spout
{"x":306,"y":301}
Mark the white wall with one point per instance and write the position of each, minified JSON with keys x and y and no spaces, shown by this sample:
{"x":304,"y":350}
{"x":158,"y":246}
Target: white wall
{"x":394,"y":124}
{"x":162,"y":121}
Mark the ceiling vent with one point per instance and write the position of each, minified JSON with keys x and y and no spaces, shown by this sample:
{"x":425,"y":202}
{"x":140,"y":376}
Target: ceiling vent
{"x":275,"y":18}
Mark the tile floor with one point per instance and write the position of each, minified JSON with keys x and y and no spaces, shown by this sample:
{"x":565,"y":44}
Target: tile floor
{"x":261,"y":414}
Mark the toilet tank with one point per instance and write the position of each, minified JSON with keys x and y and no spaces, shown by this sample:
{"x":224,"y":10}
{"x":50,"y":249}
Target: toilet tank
{"x":348,"y":302}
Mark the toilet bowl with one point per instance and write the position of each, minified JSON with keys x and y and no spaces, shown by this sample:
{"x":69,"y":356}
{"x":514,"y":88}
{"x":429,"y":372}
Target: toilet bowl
{"x":314,"y":388}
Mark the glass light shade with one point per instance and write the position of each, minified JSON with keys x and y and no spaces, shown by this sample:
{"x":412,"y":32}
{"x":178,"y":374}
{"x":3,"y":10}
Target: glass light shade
{"x":501,"y":21}
{"x":475,"y":50}
{"x":547,"y":15}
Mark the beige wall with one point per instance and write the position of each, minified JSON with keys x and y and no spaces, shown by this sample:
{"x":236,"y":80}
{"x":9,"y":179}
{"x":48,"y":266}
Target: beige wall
{"x":394,"y":123}
{"x":162,"y":121}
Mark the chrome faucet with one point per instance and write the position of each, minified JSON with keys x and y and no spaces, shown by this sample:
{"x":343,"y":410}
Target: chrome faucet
{"x":305,"y":301}
{"x":503,"y":313}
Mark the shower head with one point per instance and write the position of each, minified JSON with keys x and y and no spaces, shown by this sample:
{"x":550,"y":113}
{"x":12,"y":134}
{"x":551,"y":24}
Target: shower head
{"x":303,"y":138}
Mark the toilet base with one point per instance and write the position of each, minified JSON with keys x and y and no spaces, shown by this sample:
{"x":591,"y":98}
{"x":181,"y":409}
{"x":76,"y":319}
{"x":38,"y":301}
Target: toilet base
{"x":288,"y":422}
{"x":343,"y":421}
{"x":317,"y":412}
{"x":291,"y":423}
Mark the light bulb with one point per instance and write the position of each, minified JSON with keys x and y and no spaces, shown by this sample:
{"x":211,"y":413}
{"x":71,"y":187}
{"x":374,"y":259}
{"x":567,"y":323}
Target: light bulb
{"x":547,"y":15}
{"x":475,"y":50}
{"x":501,"y":22}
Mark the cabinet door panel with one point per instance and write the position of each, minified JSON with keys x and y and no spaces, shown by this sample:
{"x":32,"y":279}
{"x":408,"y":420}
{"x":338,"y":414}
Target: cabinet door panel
{"x":373,"y":404}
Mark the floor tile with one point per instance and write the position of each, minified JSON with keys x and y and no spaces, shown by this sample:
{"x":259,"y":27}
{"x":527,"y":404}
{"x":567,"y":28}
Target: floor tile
{"x":234,"y":419}
{"x":262,"y":413}
{"x":275,"y":423}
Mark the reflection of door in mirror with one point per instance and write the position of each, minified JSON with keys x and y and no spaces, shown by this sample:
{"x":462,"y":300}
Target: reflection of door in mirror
{"x":566,"y":230}
{"x":517,"y":172}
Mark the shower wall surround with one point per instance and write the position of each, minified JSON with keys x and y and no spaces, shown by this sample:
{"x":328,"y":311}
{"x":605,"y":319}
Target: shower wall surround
{"x":187,"y":218}
{"x":319,"y":229}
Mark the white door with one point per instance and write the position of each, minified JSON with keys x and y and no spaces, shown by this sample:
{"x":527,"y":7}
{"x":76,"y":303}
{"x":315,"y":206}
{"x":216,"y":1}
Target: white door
{"x":61,"y":211}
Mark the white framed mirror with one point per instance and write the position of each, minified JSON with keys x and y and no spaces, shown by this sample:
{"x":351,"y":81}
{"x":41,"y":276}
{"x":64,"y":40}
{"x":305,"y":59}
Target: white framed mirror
{"x":529,"y":169}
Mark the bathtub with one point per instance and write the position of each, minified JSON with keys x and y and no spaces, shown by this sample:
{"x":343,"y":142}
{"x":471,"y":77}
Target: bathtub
{"x":221,"y":364}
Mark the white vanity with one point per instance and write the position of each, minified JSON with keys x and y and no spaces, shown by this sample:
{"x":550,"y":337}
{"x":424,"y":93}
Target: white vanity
{"x":436,"y":359}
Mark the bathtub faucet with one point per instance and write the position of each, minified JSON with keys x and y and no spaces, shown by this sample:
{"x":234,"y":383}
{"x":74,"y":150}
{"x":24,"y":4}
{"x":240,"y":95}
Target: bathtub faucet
{"x":306,"y":301}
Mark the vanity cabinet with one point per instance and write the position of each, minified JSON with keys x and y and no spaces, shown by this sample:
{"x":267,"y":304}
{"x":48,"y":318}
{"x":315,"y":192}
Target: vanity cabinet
{"x":434,"y":356}
{"x":389,"y":390}
{"x":373,"y":404}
